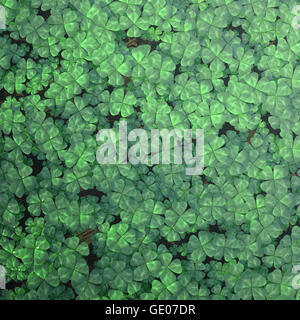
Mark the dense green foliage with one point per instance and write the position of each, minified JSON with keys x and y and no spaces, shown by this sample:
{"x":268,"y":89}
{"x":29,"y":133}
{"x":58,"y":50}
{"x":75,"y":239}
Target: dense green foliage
{"x":71,"y":67}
